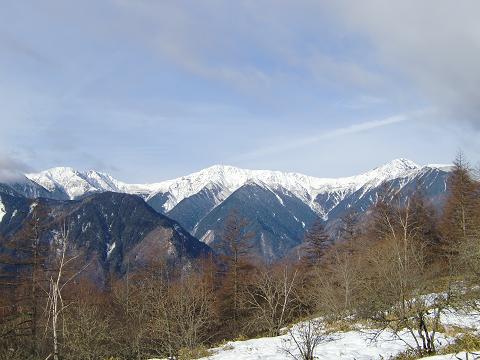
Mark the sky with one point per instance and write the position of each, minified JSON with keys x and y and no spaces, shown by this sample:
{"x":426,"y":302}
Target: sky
{"x":148,"y":90}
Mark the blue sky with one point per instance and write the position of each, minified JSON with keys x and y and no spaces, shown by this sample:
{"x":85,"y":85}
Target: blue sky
{"x":149,"y":90}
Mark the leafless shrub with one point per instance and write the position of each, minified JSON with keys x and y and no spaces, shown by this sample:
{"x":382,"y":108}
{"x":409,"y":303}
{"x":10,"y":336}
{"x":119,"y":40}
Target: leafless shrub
{"x":304,"y":338}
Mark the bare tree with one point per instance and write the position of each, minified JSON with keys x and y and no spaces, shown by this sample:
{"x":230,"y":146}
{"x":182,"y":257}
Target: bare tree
{"x":91,"y":333}
{"x":343,"y":270}
{"x":58,"y":279}
{"x":396,"y":279}
{"x":188,"y":313}
{"x":272,"y":296}
{"x":166,"y":312}
{"x":334,"y":282}
{"x":304,"y":338}
{"x":136,"y":297}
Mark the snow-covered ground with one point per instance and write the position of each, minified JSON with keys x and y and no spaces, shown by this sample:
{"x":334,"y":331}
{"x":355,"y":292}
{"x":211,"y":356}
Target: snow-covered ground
{"x":355,"y":344}
{"x":347,"y":345}
{"x":461,"y":319}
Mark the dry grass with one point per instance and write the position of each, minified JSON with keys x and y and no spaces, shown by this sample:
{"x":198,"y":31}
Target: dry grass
{"x":189,"y":354}
{"x":466,"y":342}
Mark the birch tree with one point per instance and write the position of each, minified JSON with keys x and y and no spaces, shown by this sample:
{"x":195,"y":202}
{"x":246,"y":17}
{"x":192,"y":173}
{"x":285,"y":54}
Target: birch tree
{"x":58,"y":280}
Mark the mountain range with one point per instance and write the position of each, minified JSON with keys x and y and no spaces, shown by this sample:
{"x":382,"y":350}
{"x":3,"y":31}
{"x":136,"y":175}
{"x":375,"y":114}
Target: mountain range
{"x":279,"y":207}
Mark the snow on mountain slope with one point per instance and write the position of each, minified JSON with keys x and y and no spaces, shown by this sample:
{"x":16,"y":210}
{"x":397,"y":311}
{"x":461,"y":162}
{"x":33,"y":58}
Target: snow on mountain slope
{"x":75,"y":184}
{"x":225,"y":180}
{"x":306,"y":188}
{"x":2,"y":210}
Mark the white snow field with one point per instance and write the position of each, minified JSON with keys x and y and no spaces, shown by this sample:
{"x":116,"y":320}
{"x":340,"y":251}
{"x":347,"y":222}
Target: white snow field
{"x":347,"y":345}
{"x":350,"y":345}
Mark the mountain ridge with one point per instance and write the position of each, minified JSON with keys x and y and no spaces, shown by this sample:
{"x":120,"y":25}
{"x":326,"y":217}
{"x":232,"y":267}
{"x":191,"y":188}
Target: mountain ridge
{"x":75,"y":184}
{"x":279,"y":207}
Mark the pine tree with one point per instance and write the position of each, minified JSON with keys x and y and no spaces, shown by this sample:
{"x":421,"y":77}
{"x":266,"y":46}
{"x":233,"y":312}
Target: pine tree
{"x":460,"y":219}
{"x":349,"y":226}
{"x":235,"y":247}
{"x":317,"y":241}
{"x":460,"y":223}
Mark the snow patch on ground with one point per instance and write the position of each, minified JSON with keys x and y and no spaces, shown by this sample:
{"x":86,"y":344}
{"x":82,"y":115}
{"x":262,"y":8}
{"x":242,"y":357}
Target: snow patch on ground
{"x":461,"y":319}
{"x":355,"y":344}
{"x":279,"y":199}
{"x":349,"y":345}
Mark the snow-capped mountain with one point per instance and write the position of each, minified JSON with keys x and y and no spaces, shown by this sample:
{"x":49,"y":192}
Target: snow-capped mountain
{"x":222,"y":181}
{"x":74,"y":184}
{"x":279,"y":206}
{"x":279,"y":212}
{"x":227,"y":179}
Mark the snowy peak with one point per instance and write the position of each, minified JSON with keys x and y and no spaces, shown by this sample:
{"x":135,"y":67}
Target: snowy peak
{"x":224,"y":180}
{"x":399,"y":165}
{"x":228,"y":179}
{"x":74,"y":183}
{"x":306,"y":188}
{"x":102,"y":181}
{"x":281,"y":206}
{"x":65,"y":179}
{"x":394,"y":169}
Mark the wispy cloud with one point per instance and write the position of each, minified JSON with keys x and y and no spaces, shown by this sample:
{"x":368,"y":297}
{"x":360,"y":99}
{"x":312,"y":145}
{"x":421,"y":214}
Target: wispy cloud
{"x":287,"y":145}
